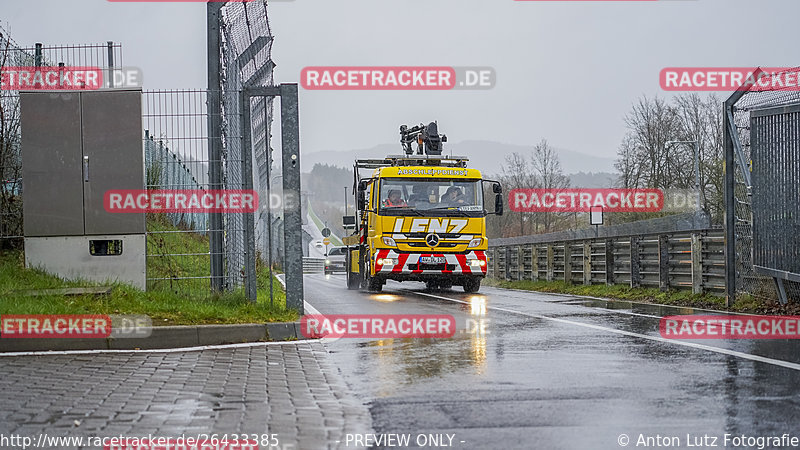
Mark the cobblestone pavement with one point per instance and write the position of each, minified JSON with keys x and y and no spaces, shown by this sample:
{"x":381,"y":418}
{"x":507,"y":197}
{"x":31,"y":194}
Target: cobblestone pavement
{"x":288,"y":388}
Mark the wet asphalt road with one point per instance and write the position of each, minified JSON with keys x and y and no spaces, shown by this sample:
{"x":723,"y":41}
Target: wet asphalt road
{"x":554,"y":371}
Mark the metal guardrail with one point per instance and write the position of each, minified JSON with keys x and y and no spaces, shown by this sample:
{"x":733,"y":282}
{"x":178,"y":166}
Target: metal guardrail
{"x":680,"y":260}
{"x":313,"y":265}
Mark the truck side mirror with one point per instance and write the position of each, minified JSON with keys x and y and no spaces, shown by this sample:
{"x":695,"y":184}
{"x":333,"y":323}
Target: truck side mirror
{"x":497,"y":189}
{"x":362,"y":199}
{"x":498,"y":204}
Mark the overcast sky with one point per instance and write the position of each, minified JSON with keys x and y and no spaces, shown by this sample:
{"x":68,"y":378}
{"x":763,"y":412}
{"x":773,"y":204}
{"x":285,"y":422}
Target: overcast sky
{"x":566,"y":71}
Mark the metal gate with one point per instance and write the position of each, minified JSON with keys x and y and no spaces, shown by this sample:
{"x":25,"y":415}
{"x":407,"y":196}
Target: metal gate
{"x":760,"y":221}
{"x":775,"y":152}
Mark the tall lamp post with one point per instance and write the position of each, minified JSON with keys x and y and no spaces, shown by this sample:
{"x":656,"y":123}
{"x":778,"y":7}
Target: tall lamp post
{"x":345,"y":201}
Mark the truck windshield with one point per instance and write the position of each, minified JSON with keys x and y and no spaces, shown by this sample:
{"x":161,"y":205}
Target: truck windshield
{"x":431,"y":197}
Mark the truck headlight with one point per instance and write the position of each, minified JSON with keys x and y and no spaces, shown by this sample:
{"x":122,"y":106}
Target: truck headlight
{"x":477,"y":262}
{"x":386,"y":262}
{"x":389,"y":242}
{"x":476,"y":242}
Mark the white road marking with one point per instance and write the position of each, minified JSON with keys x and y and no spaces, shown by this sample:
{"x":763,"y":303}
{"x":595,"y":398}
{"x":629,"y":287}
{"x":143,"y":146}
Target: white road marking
{"x":775,"y":362}
{"x":589,"y":297}
{"x":616,"y":311}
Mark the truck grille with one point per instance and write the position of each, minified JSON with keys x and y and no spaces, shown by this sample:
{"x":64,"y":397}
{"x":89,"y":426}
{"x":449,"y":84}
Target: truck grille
{"x":424,"y":245}
{"x":419,"y":266}
{"x":441,"y":235}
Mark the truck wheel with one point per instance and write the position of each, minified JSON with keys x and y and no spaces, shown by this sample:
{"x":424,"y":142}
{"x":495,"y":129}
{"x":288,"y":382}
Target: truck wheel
{"x":472,"y":285}
{"x":375,"y":284}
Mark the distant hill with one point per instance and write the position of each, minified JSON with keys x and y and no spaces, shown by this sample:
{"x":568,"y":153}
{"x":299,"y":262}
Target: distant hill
{"x":487,"y":156}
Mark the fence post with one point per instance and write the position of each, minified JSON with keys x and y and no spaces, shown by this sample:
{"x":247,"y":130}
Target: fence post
{"x":520,"y":264}
{"x":534,"y":263}
{"x":587,"y":262}
{"x":245,"y":125}
{"x":292,"y":216}
{"x":507,"y":264}
{"x":494,"y":264}
{"x":697,"y":264}
{"x":567,"y":262}
{"x":609,"y":262}
{"x":550,"y":262}
{"x":729,"y":183}
{"x":216,"y":233}
{"x":663,"y":262}
{"x":636,"y":279}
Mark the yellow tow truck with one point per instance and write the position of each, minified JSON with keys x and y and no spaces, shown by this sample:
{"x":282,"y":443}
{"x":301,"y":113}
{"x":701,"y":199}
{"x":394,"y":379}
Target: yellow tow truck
{"x":419,"y":217}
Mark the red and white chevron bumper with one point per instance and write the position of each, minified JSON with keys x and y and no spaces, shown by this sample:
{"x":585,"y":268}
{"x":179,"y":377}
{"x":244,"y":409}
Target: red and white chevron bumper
{"x":391,"y":262}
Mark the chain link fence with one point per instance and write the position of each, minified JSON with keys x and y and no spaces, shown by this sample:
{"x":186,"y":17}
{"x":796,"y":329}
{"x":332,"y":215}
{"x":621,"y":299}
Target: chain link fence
{"x":242,"y":58}
{"x":741,"y":277}
{"x":245,"y":61}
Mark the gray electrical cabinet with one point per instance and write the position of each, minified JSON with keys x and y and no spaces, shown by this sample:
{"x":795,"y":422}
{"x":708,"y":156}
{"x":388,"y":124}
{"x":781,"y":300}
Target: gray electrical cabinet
{"x":76,"y":146}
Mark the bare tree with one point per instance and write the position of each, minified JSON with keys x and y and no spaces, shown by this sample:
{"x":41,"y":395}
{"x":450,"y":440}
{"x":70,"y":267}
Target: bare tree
{"x":701,"y":121}
{"x":651,"y":124}
{"x":548,"y":174}
{"x":644,"y":160}
{"x":629,"y":164}
{"x":10,"y":159}
{"x":517,"y":174}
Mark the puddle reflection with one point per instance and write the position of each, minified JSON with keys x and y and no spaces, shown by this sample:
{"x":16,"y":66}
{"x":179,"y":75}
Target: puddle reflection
{"x":407,"y":361}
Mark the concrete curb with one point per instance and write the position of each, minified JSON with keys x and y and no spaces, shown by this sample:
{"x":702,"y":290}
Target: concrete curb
{"x":166,"y":337}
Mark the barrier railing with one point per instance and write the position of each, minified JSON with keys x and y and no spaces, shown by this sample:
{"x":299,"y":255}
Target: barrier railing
{"x":313,"y":265}
{"x":680,"y":260}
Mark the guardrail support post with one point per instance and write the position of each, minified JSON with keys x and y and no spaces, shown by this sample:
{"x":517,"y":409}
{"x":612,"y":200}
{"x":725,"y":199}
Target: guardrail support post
{"x":697,"y":264}
{"x":663,"y":262}
{"x":636,"y":278}
{"x":494,"y":264}
{"x":507,"y":264}
{"x":609,"y":262}
{"x":587,"y":262}
{"x":550,"y":262}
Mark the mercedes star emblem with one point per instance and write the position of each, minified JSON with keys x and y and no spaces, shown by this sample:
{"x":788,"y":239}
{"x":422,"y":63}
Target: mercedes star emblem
{"x":432,"y":240}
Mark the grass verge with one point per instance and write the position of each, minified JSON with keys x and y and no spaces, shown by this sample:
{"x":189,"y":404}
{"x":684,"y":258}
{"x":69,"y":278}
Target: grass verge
{"x":744,"y":304}
{"x":183,"y":302}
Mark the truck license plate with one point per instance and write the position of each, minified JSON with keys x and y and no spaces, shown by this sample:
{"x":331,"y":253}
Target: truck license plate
{"x":432,"y":259}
